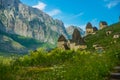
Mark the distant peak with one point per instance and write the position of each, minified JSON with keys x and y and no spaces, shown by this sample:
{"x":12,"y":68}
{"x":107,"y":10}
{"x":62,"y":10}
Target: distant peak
{"x":8,"y":3}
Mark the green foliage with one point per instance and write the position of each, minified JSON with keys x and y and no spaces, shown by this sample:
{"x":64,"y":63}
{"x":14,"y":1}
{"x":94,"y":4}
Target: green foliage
{"x":60,"y":65}
{"x":65,"y":65}
{"x":28,"y":43}
{"x":42,"y":58}
{"x":102,"y":39}
{"x":4,"y":72}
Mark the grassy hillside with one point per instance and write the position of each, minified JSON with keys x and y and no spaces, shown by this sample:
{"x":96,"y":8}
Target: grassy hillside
{"x":12,"y":43}
{"x":107,"y":42}
{"x":8,"y":45}
{"x":66,"y":64}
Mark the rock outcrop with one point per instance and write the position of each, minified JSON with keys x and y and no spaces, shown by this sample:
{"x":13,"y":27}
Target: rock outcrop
{"x":70,"y":31}
{"x":17,"y":18}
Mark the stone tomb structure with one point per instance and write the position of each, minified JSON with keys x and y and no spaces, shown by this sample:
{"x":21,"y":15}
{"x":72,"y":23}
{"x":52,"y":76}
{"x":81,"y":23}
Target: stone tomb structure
{"x":90,"y":29}
{"x":103,"y":24}
{"x":117,"y":35}
{"x":77,"y":42}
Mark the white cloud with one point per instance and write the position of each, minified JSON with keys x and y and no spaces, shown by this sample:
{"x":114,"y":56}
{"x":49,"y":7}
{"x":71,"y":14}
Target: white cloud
{"x":54,"y":12}
{"x":40,"y":6}
{"x":78,"y":15}
{"x":113,"y":3}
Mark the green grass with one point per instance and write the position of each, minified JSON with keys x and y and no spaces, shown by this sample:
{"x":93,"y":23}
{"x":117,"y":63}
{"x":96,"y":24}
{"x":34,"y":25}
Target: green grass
{"x":66,"y":65}
{"x":25,"y":41}
{"x":103,"y":40}
{"x":17,"y":42}
{"x":60,"y":65}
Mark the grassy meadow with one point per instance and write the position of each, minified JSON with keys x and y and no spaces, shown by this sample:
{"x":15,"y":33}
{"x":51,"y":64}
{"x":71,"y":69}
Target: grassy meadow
{"x":58,"y":65}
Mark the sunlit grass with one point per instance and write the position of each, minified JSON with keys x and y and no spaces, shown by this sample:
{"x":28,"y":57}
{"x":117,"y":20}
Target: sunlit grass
{"x":60,"y":65}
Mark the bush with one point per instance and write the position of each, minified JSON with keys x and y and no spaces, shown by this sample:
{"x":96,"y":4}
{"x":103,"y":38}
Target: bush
{"x":61,"y":65}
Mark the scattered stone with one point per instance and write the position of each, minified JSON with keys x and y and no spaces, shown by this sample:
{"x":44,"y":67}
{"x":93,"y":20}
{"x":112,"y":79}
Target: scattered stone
{"x":115,"y":76}
{"x":108,"y":32}
{"x":117,"y":35}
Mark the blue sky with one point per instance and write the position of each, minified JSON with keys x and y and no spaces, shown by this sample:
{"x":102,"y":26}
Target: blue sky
{"x":79,"y":12}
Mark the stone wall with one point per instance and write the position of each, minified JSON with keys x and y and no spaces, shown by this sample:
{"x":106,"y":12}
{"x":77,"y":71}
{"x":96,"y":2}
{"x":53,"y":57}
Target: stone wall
{"x":102,"y":25}
{"x":89,"y":31}
{"x":61,"y":44}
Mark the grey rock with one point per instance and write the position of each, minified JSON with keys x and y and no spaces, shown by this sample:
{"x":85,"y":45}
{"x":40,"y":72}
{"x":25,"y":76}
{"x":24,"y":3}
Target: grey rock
{"x":23,"y":20}
{"x":70,"y":30}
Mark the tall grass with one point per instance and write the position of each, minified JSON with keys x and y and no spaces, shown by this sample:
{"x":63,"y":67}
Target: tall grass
{"x":60,"y":65}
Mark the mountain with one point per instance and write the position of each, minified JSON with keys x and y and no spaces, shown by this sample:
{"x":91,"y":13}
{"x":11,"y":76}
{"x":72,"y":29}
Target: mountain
{"x":12,"y":43}
{"x":23,"y":20}
{"x":70,"y":30}
{"x":34,"y":26}
{"x":9,"y":45}
{"x":69,"y":64}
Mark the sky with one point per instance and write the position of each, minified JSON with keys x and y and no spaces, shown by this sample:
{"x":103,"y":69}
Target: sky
{"x":79,"y":12}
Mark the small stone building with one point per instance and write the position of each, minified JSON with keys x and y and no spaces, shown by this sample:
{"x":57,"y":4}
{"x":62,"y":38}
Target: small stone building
{"x":117,"y":35}
{"x":98,"y":47}
{"x":95,"y":29}
{"x":95,"y":45}
{"x":76,"y":45}
{"x":108,"y":32}
{"x":62,"y":43}
{"x":103,"y":24}
{"x":89,"y":28}
{"x":77,"y":42}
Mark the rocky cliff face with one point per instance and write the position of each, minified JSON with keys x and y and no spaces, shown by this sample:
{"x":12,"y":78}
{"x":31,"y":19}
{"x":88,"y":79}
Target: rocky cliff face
{"x":70,"y":30}
{"x":17,"y":18}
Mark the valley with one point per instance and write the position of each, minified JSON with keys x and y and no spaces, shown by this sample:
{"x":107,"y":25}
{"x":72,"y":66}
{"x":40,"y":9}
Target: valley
{"x":34,"y":45}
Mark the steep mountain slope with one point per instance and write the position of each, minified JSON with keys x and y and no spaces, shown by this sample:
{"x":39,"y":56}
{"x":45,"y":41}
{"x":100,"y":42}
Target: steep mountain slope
{"x":23,"y":20}
{"x":26,"y":28}
{"x":104,"y":40}
{"x":12,"y":43}
{"x":9,"y":45}
{"x":70,"y":30}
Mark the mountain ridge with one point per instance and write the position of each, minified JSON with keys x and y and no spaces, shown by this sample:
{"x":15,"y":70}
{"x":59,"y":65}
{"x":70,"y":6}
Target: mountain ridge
{"x":29,"y":22}
{"x":71,"y":28}
{"x":29,"y":27}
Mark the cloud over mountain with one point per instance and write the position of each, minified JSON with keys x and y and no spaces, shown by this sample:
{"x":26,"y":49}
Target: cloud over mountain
{"x":40,"y":6}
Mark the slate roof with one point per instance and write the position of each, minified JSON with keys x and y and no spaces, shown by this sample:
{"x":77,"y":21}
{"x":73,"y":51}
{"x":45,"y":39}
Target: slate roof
{"x":103,"y":23}
{"x":89,"y":25}
{"x":95,"y":29}
{"x":61,"y":38}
